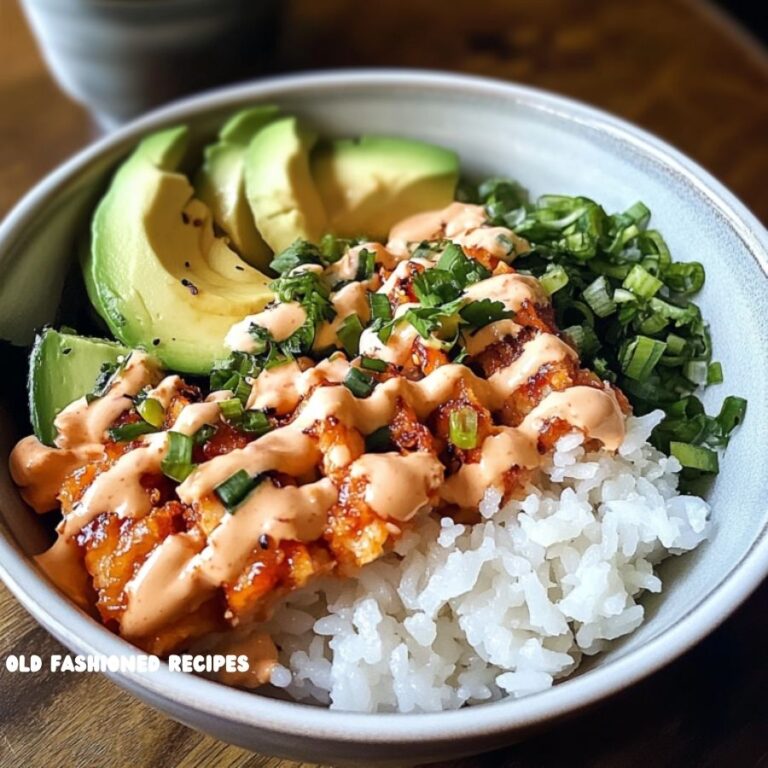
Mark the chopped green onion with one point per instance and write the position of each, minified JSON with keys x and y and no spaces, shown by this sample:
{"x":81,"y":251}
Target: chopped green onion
{"x":554,"y":279}
{"x":360,"y":384}
{"x":694,"y":456}
{"x":332,"y":248}
{"x":640,"y":214}
{"x":654,"y":323}
{"x":575,"y":313}
{"x":715,"y":373}
{"x":623,"y":296}
{"x":204,"y":434}
{"x":732,"y":414}
{"x":641,"y":282}
{"x":255,"y":423}
{"x":379,"y":441}
{"x":381,"y":309}
{"x":366,"y":261}
{"x":242,"y":391}
{"x":640,"y":357}
{"x":125,"y":432}
{"x":151,"y":411}
{"x":584,"y":339}
{"x":675,"y":344}
{"x":696,"y":371}
{"x":685,"y":278}
{"x":349,"y":334}
{"x":651,"y":243}
{"x":597,"y":296}
{"x":462,"y":427}
{"x":231,"y":410}
{"x":177,"y":462}
{"x":236,"y":488}
{"x":372,"y":364}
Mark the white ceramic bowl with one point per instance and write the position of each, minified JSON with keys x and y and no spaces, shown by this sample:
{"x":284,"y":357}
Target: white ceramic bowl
{"x":549,"y":144}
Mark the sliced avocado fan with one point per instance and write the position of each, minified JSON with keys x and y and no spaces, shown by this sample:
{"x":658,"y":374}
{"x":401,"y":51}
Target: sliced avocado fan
{"x":220,"y":183}
{"x":369,"y":184}
{"x":281,"y":192}
{"x":156,"y":272}
{"x":62,"y":368}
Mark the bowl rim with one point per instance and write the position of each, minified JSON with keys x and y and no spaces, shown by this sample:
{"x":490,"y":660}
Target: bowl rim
{"x":193,"y":694}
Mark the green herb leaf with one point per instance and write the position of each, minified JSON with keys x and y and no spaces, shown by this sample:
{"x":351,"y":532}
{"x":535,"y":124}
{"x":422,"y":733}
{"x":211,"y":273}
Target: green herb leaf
{"x":298,"y":253}
{"x":478,"y":314}
{"x":349,"y":333}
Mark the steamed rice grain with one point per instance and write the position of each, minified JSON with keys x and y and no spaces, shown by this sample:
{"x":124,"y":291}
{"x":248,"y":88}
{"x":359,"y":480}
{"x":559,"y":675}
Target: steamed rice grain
{"x":461,"y":614}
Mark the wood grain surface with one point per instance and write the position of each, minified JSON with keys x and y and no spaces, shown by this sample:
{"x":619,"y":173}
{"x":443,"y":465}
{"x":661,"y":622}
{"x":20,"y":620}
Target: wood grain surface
{"x":678,"y":68}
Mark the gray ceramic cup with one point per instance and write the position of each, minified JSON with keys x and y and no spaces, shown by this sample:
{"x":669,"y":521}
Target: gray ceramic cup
{"x":121,"y":57}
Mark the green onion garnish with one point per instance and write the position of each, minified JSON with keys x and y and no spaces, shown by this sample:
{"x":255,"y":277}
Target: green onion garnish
{"x":624,"y":285}
{"x":715,"y":373}
{"x":642,"y":283}
{"x":584,"y":339}
{"x":255,"y":423}
{"x":598,"y":297}
{"x":243,"y":390}
{"x":232,"y":409}
{"x":381,"y":309}
{"x":685,"y":278}
{"x":358,"y":383}
{"x":151,"y":411}
{"x":349,"y":334}
{"x":372,"y":364}
{"x":640,"y":357}
{"x":204,"y":434}
{"x":125,"y":432}
{"x":379,"y":441}
{"x":177,"y":462}
{"x":675,"y":344}
{"x":696,"y":371}
{"x":462,"y":425}
{"x":695,"y":456}
{"x":366,"y":261}
{"x":732,"y":413}
{"x":554,"y":279}
{"x":236,"y":488}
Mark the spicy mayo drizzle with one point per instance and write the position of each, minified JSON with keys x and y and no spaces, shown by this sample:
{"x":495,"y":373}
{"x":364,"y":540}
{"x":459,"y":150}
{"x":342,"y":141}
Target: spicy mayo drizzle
{"x":183,"y":572}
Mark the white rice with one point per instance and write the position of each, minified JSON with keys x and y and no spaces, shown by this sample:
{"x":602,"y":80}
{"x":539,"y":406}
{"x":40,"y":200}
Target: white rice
{"x":460,"y":614}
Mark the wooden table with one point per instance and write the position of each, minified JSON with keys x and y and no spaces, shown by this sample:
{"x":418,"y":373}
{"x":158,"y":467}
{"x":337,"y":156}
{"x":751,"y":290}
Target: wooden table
{"x":678,"y":68}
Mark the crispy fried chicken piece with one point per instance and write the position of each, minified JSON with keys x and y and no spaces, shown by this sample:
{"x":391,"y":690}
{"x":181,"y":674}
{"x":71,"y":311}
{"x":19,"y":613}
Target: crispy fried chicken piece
{"x":272,"y":571}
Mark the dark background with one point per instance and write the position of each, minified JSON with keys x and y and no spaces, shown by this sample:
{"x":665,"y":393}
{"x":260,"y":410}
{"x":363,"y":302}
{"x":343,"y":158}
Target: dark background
{"x":753,"y":14}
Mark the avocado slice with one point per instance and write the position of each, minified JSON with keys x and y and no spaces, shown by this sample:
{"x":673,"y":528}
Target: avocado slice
{"x":62,"y":368}
{"x":285,"y":204}
{"x":156,"y":272}
{"x":220,"y":185}
{"x":369,"y":184}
